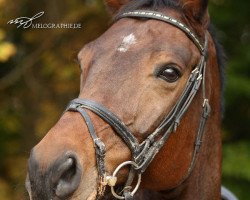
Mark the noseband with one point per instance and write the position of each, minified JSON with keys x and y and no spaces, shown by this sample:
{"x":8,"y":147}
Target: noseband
{"x":143,"y":153}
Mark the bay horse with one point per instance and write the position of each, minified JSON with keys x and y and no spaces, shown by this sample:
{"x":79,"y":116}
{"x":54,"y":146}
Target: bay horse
{"x":147,"y":122}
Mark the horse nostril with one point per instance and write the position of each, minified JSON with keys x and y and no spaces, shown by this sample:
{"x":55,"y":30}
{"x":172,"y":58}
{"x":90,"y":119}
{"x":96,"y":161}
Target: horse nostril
{"x":66,"y":175}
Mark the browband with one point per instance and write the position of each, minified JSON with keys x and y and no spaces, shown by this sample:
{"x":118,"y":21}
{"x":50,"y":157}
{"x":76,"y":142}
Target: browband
{"x":159,"y":16}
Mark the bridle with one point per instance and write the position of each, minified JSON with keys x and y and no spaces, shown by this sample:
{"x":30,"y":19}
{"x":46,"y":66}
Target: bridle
{"x":143,"y":153}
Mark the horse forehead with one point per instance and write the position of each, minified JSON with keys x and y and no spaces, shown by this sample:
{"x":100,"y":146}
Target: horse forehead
{"x":129,"y":40}
{"x":135,"y":34}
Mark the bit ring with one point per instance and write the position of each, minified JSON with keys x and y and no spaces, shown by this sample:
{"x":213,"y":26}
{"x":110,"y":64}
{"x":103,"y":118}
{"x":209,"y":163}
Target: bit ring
{"x":115,"y":173}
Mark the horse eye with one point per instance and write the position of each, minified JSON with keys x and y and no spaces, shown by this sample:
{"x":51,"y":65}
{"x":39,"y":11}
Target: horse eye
{"x":169,"y":74}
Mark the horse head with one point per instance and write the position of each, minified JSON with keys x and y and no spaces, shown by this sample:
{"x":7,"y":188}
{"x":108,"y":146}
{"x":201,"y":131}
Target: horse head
{"x":147,"y":86}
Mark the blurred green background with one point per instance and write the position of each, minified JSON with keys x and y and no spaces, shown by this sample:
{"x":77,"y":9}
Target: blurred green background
{"x":38,"y":76}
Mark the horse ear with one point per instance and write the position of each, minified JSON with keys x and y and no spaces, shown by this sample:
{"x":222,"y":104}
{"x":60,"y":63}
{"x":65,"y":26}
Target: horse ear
{"x":196,"y":10}
{"x":115,"y":5}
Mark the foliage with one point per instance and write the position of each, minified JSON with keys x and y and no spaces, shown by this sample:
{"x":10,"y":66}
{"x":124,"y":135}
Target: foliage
{"x":38,"y":76}
{"x":232,"y":19}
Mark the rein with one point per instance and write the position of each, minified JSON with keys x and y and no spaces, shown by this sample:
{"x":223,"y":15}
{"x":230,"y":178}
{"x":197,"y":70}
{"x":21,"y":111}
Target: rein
{"x":144,"y":153}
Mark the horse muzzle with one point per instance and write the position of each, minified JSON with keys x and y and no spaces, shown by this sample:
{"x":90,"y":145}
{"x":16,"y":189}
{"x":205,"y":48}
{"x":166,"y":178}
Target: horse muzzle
{"x":58,"y":180}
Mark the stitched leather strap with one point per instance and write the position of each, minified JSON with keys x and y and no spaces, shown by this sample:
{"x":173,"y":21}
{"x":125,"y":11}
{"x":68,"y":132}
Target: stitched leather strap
{"x":112,"y":120}
{"x":98,"y":144}
{"x":159,"y":16}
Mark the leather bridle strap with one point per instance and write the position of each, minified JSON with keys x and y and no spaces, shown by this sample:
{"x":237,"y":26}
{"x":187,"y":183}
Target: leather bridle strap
{"x":144,"y":153}
{"x":98,"y":144}
{"x":159,"y":16}
{"x":113,"y":121}
{"x":172,"y":120}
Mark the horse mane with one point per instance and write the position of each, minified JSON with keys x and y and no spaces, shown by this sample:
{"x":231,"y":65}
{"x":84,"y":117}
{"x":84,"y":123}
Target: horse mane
{"x":221,"y":60}
{"x":156,"y":5}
